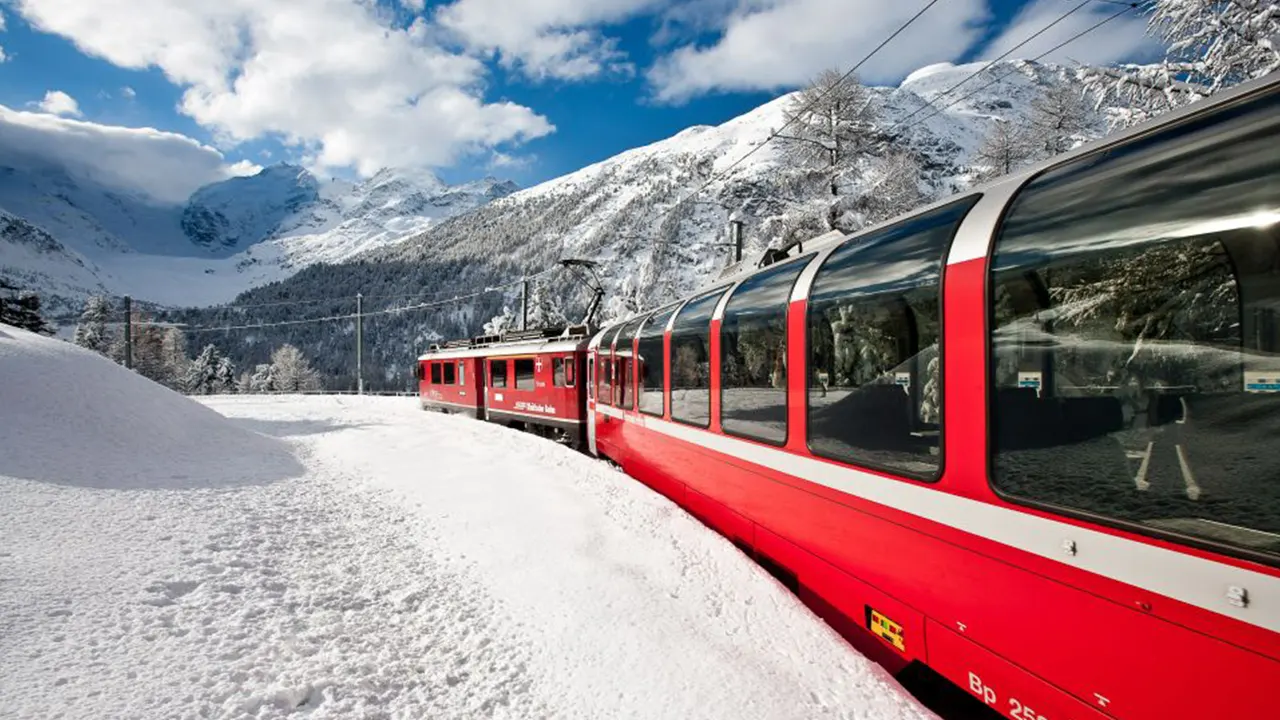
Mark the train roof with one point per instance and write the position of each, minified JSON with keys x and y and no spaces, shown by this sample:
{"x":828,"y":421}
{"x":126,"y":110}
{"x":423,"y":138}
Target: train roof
{"x":513,"y":342}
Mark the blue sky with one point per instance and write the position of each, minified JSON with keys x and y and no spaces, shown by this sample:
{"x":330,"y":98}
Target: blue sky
{"x":526,"y":90}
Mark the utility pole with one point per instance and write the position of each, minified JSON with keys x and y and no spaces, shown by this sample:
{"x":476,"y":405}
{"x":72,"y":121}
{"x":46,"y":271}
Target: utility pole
{"x":524,"y":304}
{"x":359,"y":343}
{"x":128,"y":332}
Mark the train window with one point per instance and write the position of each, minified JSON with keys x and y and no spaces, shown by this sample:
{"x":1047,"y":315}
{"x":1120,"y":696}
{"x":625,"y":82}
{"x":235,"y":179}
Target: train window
{"x":753,"y":355}
{"x":1135,"y":356}
{"x":557,"y":372}
{"x":449,"y":376}
{"x":569,"y":363}
{"x":498,"y":373}
{"x":435,"y":373}
{"x":874,"y":362}
{"x":623,"y":350}
{"x":462,"y":366}
{"x":652,"y":361}
{"x":605,"y":374}
{"x":591,"y":377}
{"x":691,"y":360}
{"x":524,"y":373}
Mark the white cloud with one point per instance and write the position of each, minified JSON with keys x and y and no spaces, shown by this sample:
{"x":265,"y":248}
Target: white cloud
{"x":2,"y":27}
{"x":504,"y":161}
{"x":1121,"y":39}
{"x":414,"y":5}
{"x":162,"y":165}
{"x":128,"y":92}
{"x":3,"y":57}
{"x":56,"y":102}
{"x":243,"y":168}
{"x":545,"y":38}
{"x":772,"y":44}
{"x":328,"y":77}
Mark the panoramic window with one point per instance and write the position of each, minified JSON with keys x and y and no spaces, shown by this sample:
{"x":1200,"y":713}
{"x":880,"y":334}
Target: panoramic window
{"x":652,"y":361}
{"x":449,"y":377}
{"x":524,"y":373}
{"x":691,"y":360}
{"x":435,"y":373}
{"x":753,"y":355}
{"x":498,"y":373}
{"x":605,"y":373}
{"x":875,"y":372}
{"x":625,"y":396}
{"x":1136,"y":344}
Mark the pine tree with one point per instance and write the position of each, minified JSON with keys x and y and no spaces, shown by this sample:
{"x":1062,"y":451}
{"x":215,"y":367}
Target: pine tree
{"x":173,"y":358}
{"x":263,"y":379}
{"x":21,"y":309}
{"x":202,"y":373}
{"x":897,"y":189}
{"x":225,"y":376}
{"x":91,"y":332}
{"x":291,"y":372}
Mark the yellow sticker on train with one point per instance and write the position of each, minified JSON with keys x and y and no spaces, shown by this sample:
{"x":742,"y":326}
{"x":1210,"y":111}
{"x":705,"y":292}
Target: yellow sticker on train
{"x":886,"y":629}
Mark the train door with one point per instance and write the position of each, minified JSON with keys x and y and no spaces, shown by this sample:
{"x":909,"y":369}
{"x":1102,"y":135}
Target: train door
{"x":591,"y":402}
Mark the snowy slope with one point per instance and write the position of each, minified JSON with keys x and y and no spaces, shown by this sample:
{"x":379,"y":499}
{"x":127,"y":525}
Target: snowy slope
{"x":297,"y":555}
{"x":612,"y":211}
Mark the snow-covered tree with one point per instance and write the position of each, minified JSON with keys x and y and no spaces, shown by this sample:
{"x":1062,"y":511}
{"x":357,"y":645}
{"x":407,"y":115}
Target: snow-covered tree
{"x":92,"y":332}
{"x":202,"y":373}
{"x":545,"y":307}
{"x":1059,"y":120}
{"x":896,"y":188}
{"x":263,"y":379}
{"x":1210,"y":45}
{"x":291,"y":372}
{"x":21,"y":309}
{"x":506,"y":321}
{"x":225,"y":375}
{"x":244,"y":383}
{"x":1006,"y":148}
{"x":831,"y":121}
{"x":173,"y":358}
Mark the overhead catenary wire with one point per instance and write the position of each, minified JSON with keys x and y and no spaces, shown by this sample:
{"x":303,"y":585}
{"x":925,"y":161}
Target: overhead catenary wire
{"x":1129,"y":7}
{"x":990,"y":64}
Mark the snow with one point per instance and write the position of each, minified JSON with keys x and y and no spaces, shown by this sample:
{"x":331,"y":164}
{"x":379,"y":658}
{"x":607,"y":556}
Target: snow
{"x":356,"y":557}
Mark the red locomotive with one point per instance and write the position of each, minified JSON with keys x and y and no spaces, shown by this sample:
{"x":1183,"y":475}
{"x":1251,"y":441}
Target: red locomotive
{"x":1028,"y":437}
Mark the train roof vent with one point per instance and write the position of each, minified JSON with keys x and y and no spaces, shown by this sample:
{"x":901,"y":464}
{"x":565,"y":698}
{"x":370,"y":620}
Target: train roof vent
{"x":485,"y":340}
{"x":464,"y":342}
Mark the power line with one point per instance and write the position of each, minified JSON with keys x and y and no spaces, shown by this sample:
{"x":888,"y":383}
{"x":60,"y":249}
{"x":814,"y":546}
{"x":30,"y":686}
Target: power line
{"x":989,"y":65}
{"x":774,"y":134}
{"x":1050,"y":51}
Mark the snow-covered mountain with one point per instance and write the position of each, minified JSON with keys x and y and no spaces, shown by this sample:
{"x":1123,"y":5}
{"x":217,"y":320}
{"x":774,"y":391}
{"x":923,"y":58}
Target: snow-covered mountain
{"x":619,"y":213}
{"x":616,"y":211}
{"x":229,"y":236}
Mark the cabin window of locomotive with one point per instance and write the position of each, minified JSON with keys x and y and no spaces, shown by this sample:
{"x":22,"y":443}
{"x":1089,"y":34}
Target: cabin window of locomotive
{"x":652,"y":361}
{"x":753,"y":355}
{"x":875,"y":370}
{"x":449,"y":376}
{"x":691,"y":360}
{"x":1135,"y":356}
{"x":498,"y":373}
{"x":624,"y":350}
{"x":435,"y":373}
{"x":524,"y":373}
{"x":557,"y":372}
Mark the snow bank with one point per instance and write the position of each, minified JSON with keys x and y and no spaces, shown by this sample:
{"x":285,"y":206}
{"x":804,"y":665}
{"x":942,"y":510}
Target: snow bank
{"x":70,"y":416}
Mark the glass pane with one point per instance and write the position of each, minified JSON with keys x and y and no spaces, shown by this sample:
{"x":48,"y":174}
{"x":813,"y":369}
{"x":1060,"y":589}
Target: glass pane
{"x":449,"y":370}
{"x":753,"y":355}
{"x":626,"y":334}
{"x":524,"y":374}
{"x":498,"y":373}
{"x":652,"y":362}
{"x":691,"y":361}
{"x":435,"y":373}
{"x":557,"y":372}
{"x":1136,"y":349}
{"x":874,"y":367}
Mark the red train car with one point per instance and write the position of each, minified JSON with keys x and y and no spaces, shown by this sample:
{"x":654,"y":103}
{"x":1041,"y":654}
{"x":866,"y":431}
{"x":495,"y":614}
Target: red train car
{"x":1028,"y":437}
{"x":525,"y":379}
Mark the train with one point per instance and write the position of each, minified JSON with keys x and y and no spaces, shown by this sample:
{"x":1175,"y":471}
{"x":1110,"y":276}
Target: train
{"x":1026,"y":438}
